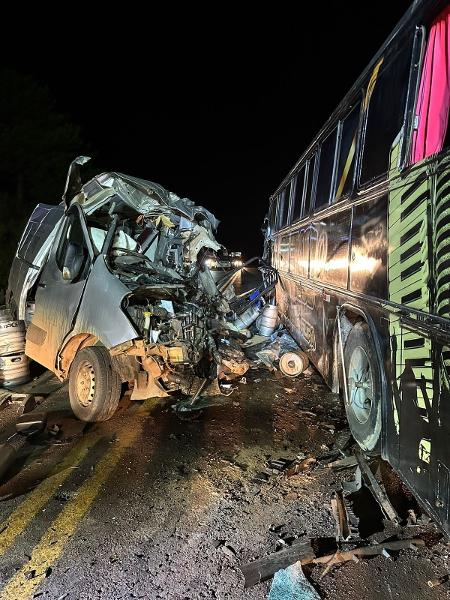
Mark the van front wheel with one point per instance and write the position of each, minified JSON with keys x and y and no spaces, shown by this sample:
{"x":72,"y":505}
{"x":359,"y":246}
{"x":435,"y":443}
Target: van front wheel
{"x":94,"y":386}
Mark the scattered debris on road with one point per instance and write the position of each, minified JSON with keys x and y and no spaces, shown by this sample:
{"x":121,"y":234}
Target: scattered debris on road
{"x":346,"y":521}
{"x":264,"y":568}
{"x":302,"y":552}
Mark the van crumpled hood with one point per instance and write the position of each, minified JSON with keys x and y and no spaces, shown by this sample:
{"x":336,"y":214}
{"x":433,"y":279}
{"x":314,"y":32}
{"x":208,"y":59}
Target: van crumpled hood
{"x":143,"y":196}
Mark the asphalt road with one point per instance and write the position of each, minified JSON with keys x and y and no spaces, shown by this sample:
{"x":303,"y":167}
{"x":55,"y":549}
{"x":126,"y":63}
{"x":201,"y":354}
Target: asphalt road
{"x":149,"y":506}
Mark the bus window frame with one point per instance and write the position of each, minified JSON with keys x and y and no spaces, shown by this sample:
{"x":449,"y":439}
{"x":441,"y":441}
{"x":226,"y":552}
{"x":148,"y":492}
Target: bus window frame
{"x":280,"y":205}
{"x":290,"y":207}
{"x":312,"y":202}
{"x":303,"y":168}
{"x":272,"y":216}
{"x":275,"y":221}
{"x":359,"y":99}
{"x":279,"y":209}
{"x":333,"y":131}
{"x":415,"y":72}
{"x":387,"y":61}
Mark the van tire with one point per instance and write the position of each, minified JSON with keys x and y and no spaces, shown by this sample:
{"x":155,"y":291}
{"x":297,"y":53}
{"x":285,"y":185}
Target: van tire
{"x":94,"y":386}
{"x":364,"y":388}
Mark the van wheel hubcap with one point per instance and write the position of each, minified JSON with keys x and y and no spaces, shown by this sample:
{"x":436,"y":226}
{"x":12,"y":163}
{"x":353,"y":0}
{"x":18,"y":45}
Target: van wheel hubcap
{"x":360,"y":384}
{"x":85,"y":383}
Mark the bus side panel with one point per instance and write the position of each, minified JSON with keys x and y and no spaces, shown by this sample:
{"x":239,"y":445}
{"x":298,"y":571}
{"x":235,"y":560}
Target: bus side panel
{"x":329,"y":240}
{"x":368,"y":264}
{"x":293,"y":313}
{"x":419,"y":205}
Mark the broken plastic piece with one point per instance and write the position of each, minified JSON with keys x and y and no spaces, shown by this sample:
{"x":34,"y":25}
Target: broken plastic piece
{"x":291,"y":583}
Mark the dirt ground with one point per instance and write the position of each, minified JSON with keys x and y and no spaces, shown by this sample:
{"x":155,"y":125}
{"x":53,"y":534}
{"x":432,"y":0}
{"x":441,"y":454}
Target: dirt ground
{"x":149,"y":506}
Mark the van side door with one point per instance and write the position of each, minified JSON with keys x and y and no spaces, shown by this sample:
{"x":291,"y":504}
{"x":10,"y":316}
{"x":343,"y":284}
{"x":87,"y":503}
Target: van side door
{"x":60,"y":289}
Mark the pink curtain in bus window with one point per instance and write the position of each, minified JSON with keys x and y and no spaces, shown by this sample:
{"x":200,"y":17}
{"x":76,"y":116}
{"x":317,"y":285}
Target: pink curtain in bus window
{"x":434,"y":91}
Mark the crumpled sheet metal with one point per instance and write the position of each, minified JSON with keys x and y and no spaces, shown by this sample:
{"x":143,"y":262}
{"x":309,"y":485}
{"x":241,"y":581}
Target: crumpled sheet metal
{"x":32,"y":251}
{"x":146,"y":197}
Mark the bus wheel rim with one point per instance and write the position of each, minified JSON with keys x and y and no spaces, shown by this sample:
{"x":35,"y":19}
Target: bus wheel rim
{"x":360,"y":384}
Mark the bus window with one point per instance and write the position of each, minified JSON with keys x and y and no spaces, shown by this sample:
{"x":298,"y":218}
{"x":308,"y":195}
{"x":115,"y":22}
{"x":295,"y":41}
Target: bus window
{"x":386,"y":97}
{"x":288,"y":202}
{"x":298,"y":195}
{"x":309,"y":187}
{"x":325,"y":176}
{"x":347,"y":150}
{"x":283,"y":210}
{"x":276,"y":202}
{"x":271,"y":217}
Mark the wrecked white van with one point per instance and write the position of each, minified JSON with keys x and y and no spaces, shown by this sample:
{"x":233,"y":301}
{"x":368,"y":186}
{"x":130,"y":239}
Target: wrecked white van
{"x":123,"y":295}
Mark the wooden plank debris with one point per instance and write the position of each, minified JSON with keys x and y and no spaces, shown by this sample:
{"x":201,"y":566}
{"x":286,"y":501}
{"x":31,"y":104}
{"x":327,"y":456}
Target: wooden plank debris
{"x":265,"y":567}
{"x":343,"y":463}
{"x":378,"y":493}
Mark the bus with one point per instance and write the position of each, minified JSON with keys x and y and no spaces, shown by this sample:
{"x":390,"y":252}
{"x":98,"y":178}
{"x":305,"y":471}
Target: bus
{"x":359,"y":232}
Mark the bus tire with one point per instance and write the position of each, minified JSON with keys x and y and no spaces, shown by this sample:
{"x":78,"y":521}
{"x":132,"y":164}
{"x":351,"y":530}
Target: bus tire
{"x":94,"y":385}
{"x":364,"y":388}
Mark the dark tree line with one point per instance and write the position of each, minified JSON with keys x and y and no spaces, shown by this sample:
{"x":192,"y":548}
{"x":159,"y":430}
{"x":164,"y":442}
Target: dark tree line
{"x":37,"y":143}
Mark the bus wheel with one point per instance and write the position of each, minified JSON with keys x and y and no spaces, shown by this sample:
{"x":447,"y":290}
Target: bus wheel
{"x":94,"y":386}
{"x":363,"y":402}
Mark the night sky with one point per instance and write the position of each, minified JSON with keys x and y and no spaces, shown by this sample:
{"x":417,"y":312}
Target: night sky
{"x":215,"y":106}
